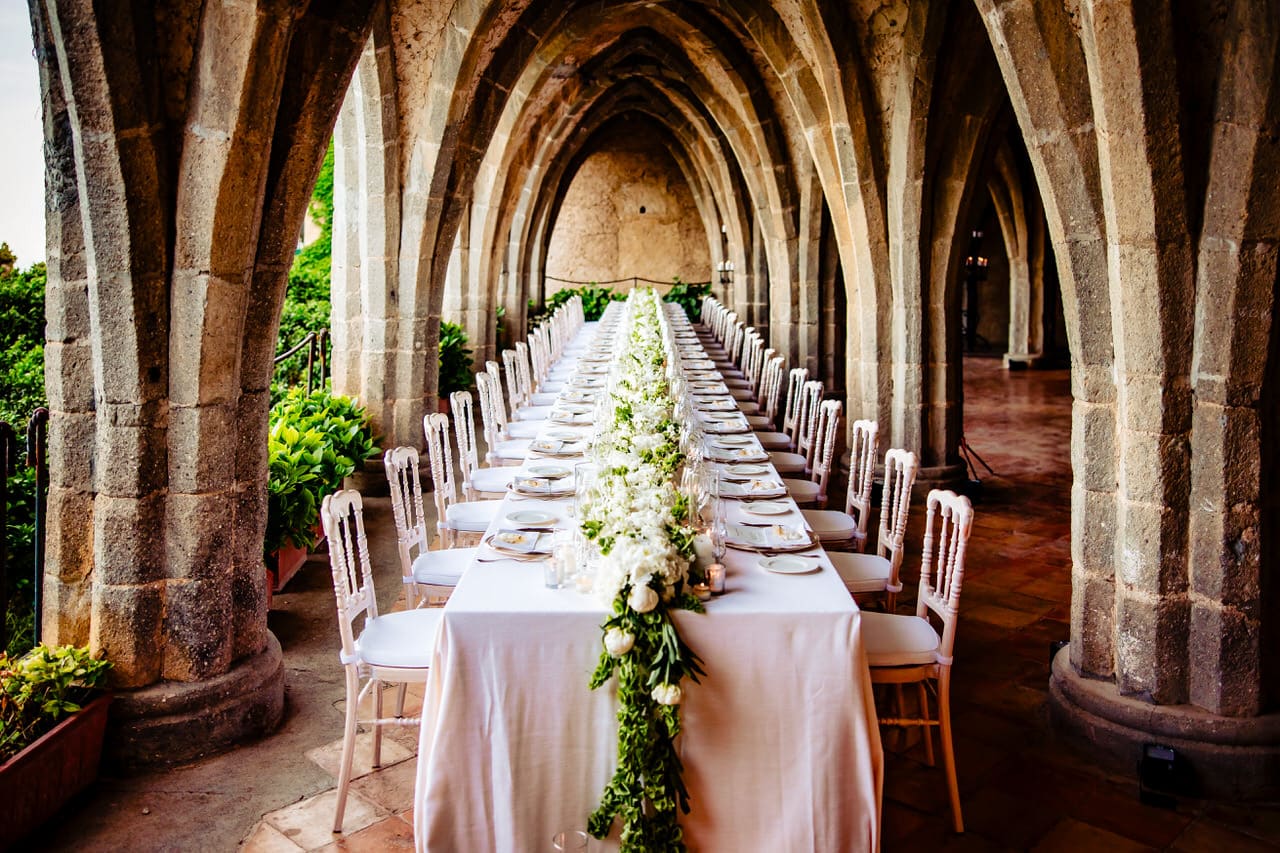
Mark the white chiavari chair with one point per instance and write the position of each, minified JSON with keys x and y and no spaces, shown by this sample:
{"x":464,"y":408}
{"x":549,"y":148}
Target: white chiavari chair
{"x":807,"y":403}
{"x":848,"y":528}
{"x":392,"y":648}
{"x":813,"y":491}
{"x":909,"y":649}
{"x":428,"y":575}
{"x":477,"y":482}
{"x":453,"y":516}
{"x":501,"y":451}
{"x":881,"y":572}
{"x":770,"y":393}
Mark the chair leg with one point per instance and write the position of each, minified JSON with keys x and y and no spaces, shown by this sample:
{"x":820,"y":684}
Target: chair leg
{"x":890,"y":601}
{"x":400,"y":699}
{"x":926,"y":729}
{"x":377,"y":724}
{"x":348,"y":747}
{"x":948,"y":750}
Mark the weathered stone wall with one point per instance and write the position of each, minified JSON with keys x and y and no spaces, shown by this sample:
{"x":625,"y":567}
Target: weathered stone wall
{"x":628,"y":212}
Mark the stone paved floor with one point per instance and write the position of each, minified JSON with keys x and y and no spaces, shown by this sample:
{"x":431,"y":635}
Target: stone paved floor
{"x":1021,"y":789}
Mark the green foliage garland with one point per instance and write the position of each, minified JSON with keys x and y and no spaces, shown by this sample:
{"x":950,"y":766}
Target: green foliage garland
{"x":640,"y":523}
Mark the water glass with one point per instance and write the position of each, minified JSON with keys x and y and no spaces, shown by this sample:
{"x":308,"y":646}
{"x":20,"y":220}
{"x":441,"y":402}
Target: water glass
{"x":554,"y":570}
{"x":569,"y":841}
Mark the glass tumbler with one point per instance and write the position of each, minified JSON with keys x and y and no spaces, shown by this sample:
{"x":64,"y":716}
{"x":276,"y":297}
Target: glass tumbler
{"x":569,"y":841}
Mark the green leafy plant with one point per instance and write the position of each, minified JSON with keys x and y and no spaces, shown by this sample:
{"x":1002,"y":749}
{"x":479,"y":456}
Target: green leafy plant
{"x":688,"y":296}
{"x":41,"y":688}
{"x":306,"y":302}
{"x":455,"y":359}
{"x":316,"y":441}
{"x":594,"y":300}
{"x":21,"y":392}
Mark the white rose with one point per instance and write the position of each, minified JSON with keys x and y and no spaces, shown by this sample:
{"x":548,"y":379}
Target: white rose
{"x":618,"y":642}
{"x":667,"y":694}
{"x":642,"y":599}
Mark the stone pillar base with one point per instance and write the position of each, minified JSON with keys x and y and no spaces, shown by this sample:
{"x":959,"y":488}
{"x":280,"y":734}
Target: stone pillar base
{"x":940,"y":477}
{"x":1232,"y":757}
{"x":173,"y":722}
{"x":1022,"y":360}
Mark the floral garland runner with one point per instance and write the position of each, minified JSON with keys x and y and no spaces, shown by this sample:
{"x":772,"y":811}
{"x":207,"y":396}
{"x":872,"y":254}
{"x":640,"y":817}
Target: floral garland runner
{"x":641,"y":525}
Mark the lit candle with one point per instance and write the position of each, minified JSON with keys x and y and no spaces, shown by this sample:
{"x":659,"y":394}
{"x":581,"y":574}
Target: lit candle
{"x":715,"y":577}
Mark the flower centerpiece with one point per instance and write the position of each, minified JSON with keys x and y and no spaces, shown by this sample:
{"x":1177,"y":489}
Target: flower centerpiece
{"x":641,"y":525}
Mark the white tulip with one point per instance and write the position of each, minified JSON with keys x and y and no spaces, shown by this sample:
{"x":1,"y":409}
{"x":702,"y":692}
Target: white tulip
{"x":643,"y":599}
{"x":667,"y":694}
{"x":618,"y":642}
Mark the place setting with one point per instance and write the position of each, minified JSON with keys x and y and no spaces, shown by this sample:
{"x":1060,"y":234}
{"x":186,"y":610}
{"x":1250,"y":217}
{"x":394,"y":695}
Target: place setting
{"x":770,"y":539}
{"x":553,"y":485}
{"x":574,"y":413}
{"x":558,"y":448}
{"x":754,"y":487}
{"x":521,"y":545}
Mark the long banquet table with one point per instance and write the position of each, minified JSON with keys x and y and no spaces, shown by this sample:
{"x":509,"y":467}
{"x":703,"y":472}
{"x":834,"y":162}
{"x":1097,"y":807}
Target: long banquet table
{"x":780,"y":744}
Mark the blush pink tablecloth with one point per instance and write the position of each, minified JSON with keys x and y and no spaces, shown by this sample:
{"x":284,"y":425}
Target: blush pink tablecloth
{"x":780,"y":743}
{"x":780,"y":746}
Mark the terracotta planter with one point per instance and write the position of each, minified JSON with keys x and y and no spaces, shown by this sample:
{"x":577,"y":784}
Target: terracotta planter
{"x":283,"y":565}
{"x":38,"y":781}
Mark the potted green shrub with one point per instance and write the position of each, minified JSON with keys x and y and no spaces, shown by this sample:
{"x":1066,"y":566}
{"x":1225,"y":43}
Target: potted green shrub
{"x":52,"y":718}
{"x":455,"y":363}
{"x":316,"y":441}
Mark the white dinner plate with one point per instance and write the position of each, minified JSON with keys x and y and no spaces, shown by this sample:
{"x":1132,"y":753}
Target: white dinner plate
{"x":733,"y":441}
{"x":550,"y":472}
{"x":767,"y":507}
{"x":721,"y":416}
{"x":532,"y":518}
{"x":747,"y":470}
{"x":787,"y":565}
{"x":564,"y":434}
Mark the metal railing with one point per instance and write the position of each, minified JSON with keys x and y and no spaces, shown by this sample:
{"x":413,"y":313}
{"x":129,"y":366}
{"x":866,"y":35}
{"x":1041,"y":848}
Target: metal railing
{"x":633,"y":281}
{"x":317,"y":353}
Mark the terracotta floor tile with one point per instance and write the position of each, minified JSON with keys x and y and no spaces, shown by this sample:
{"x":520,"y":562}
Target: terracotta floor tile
{"x":391,"y":787}
{"x":390,"y":833}
{"x":329,"y":756}
{"x":267,"y":839}
{"x":1205,"y":836}
{"x":309,"y":823}
{"x":1072,"y":836}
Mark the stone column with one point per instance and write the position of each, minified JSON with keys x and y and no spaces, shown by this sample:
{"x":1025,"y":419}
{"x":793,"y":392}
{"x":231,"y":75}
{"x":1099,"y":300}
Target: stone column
{"x":169,"y":242}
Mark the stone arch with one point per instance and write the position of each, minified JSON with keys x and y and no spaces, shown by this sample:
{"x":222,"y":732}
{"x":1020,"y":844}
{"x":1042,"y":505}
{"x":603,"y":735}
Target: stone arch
{"x":705,"y":96}
{"x":1020,"y":224}
{"x":368,"y":340}
{"x":200,"y":137}
{"x":1043,"y":67}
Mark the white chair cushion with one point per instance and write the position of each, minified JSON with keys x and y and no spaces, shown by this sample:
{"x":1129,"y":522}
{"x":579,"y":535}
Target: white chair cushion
{"x":517,"y":449}
{"x":533,"y":413}
{"x":742,"y":394}
{"x":748,"y":407}
{"x":406,"y":639}
{"x":830,"y":525}
{"x":551,"y":386}
{"x":802,"y":491}
{"x":490,"y":479}
{"x":786,"y":462}
{"x":773,"y":440}
{"x":861,"y":572}
{"x":759,"y":422}
{"x":525,"y":429}
{"x":895,"y":640}
{"x":443,"y":568}
{"x":471,"y":516}
{"x":542,"y":399}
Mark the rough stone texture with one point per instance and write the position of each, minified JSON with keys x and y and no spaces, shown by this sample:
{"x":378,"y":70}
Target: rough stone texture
{"x":846,"y":157}
{"x":174,"y":203}
{"x":628,"y":212}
